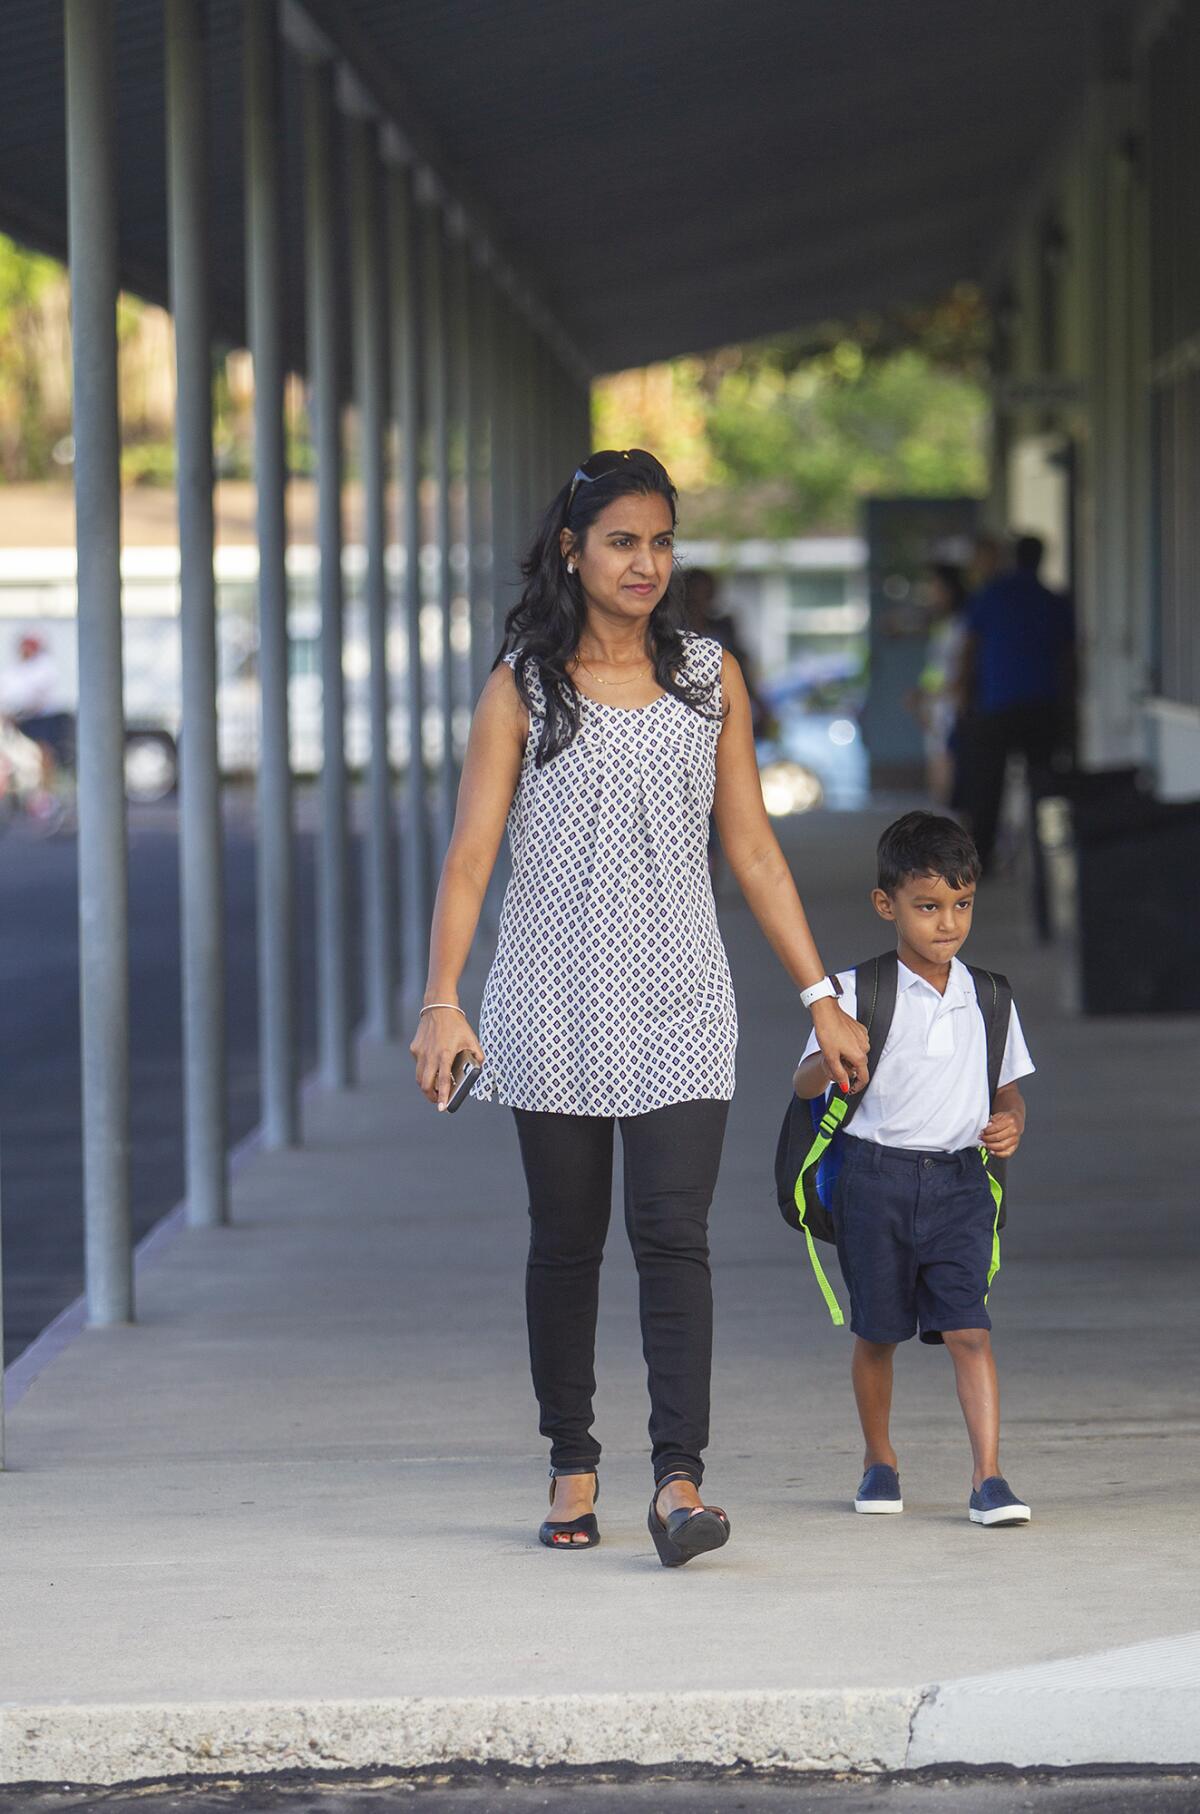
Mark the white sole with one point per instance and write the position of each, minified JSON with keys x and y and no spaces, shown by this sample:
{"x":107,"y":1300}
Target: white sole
{"x":1003,"y":1514}
{"x":880,"y":1508}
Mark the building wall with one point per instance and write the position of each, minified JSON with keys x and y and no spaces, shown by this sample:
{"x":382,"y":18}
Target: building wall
{"x":1171,"y":80}
{"x":1099,"y":397}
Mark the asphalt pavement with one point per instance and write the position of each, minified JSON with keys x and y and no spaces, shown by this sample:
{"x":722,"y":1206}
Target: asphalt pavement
{"x":616,"y":1793}
{"x":40,"y":1111}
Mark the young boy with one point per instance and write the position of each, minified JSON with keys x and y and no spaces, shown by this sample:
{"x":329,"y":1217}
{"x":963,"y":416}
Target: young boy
{"x":912,"y":1208}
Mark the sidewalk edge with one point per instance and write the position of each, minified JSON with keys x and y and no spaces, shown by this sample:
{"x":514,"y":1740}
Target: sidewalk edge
{"x":826,"y":1729}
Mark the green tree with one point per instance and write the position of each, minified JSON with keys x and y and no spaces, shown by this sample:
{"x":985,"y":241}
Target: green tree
{"x":786,"y":436}
{"x":26,"y":437}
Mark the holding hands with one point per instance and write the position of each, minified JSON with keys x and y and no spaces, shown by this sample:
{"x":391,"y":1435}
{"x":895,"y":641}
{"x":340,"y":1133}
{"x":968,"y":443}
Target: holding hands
{"x":844,"y":1046}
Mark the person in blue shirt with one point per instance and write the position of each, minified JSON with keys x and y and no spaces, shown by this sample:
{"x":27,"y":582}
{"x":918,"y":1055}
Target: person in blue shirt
{"x":1019,"y":662}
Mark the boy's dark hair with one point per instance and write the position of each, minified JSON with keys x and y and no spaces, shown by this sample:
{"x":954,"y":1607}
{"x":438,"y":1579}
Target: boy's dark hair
{"x":1028,"y":552}
{"x":925,"y":844}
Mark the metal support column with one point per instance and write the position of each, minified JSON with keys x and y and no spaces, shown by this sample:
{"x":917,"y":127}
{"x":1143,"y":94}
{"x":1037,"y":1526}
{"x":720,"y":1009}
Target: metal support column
{"x":564,"y":396}
{"x":481,"y":447}
{"x":324,"y":344}
{"x":499,"y":467}
{"x":553,"y":420}
{"x":201,"y":855}
{"x":370,"y":382}
{"x":103,"y":874}
{"x":544,"y":408}
{"x":465,"y":375}
{"x":404,"y":264}
{"x":529,"y":428}
{"x":521,"y":515}
{"x":437,"y":338}
{"x":1,"y":1312}
{"x":276,"y":940}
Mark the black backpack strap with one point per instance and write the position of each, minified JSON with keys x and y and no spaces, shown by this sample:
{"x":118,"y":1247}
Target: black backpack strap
{"x":875,"y":985}
{"x":995,"y":996}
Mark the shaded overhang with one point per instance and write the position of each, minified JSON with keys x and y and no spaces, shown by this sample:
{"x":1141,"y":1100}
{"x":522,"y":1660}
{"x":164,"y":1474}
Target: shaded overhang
{"x":664,"y":175}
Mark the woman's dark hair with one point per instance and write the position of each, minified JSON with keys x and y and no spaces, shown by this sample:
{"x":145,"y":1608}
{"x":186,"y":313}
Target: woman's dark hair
{"x":545,"y":624}
{"x":925,"y":844}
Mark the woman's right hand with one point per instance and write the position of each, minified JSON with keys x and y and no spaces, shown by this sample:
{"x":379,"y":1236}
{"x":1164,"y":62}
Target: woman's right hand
{"x":441,"y":1035}
{"x":845,"y":1045}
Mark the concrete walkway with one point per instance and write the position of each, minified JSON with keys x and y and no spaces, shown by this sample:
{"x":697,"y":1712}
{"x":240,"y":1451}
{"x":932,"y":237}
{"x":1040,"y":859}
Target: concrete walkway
{"x":288,"y":1519}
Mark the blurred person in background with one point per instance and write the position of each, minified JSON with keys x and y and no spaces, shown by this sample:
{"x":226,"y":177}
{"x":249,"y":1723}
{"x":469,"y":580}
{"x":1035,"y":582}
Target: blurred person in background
{"x":31,"y":698}
{"x":706,"y":618}
{"x":1019,"y":673}
{"x":990,"y":556}
{"x":937,"y":701}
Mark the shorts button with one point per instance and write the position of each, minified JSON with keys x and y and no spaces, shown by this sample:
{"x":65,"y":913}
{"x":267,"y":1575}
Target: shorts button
{"x":927,"y":1163}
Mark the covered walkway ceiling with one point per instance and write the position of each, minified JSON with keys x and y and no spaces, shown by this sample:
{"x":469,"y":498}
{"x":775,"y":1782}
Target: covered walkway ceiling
{"x":666,"y":175}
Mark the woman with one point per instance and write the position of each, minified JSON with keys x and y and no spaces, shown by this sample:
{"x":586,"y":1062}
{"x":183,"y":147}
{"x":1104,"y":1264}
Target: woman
{"x":602,"y":738}
{"x":938,"y":701}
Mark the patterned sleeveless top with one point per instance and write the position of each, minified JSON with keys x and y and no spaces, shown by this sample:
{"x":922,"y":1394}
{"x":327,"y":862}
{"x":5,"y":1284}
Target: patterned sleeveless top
{"x":610,"y":991}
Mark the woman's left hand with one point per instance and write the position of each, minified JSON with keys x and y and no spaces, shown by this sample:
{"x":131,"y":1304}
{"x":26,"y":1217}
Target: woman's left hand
{"x":844,"y":1045}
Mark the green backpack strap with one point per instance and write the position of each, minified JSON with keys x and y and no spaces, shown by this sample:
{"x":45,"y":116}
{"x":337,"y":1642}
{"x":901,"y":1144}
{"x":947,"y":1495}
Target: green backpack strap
{"x":995,"y":996}
{"x":875,"y":984}
{"x":836,"y":1113}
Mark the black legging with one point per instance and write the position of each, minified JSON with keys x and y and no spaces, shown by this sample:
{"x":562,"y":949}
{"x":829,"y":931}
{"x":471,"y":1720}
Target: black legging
{"x":672,"y":1156}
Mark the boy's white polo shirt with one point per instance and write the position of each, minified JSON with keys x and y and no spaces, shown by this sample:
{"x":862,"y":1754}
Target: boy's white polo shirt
{"x":929,"y":1088}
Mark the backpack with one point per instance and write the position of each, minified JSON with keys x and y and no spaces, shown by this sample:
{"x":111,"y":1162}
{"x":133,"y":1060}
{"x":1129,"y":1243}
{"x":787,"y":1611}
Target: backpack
{"x":810,"y":1151}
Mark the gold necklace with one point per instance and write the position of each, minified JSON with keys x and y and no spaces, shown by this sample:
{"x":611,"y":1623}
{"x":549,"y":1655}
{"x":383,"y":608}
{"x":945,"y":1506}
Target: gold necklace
{"x":580,"y":662}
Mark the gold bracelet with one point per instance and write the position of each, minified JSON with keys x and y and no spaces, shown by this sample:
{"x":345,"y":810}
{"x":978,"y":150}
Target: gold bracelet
{"x":430,"y":1005}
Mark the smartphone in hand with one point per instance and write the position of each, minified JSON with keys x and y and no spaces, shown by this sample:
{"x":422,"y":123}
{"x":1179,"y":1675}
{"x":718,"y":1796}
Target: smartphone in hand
{"x":462,"y":1075}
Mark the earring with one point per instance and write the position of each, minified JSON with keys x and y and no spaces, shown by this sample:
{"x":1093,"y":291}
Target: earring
{"x":570,"y":566}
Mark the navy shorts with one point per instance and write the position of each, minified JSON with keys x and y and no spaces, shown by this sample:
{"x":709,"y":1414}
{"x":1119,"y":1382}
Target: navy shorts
{"x":914,"y":1237}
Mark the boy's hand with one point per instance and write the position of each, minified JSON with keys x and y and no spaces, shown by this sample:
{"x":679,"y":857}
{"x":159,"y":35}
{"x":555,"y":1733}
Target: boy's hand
{"x":811,"y":1077}
{"x":1002,"y":1135}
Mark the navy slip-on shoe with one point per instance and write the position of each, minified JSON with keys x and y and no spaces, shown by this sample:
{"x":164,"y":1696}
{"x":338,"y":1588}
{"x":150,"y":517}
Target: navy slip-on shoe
{"x":879,"y":1491}
{"x":995,"y":1503}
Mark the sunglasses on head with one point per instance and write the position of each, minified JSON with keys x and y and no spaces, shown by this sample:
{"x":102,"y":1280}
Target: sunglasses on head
{"x":609,"y":460}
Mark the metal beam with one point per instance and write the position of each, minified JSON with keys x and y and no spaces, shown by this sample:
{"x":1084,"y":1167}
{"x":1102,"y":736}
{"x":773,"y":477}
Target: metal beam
{"x":324,"y":342}
{"x":201,"y":890}
{"x":264,"y":281}
{"x":103,"y":874}
{"x":370,"y":383}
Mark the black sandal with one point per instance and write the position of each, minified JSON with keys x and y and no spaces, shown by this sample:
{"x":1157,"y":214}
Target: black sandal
{"x":553,"y":1534}
{"x":685,"y":1533}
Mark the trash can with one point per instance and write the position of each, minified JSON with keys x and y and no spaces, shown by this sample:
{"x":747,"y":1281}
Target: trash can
{"x":1121,"y":869}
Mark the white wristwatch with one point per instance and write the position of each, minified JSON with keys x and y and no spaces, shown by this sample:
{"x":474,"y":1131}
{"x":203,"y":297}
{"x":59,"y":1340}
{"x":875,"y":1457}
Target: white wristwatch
{"x":828,"y":985}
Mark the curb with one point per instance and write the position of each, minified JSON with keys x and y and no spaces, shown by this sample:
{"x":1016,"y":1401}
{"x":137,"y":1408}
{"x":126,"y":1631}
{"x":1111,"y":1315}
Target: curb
{"x":1134,"y":1705}
{"x":1139,"y":1704}
{"x":829,"y":1729}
